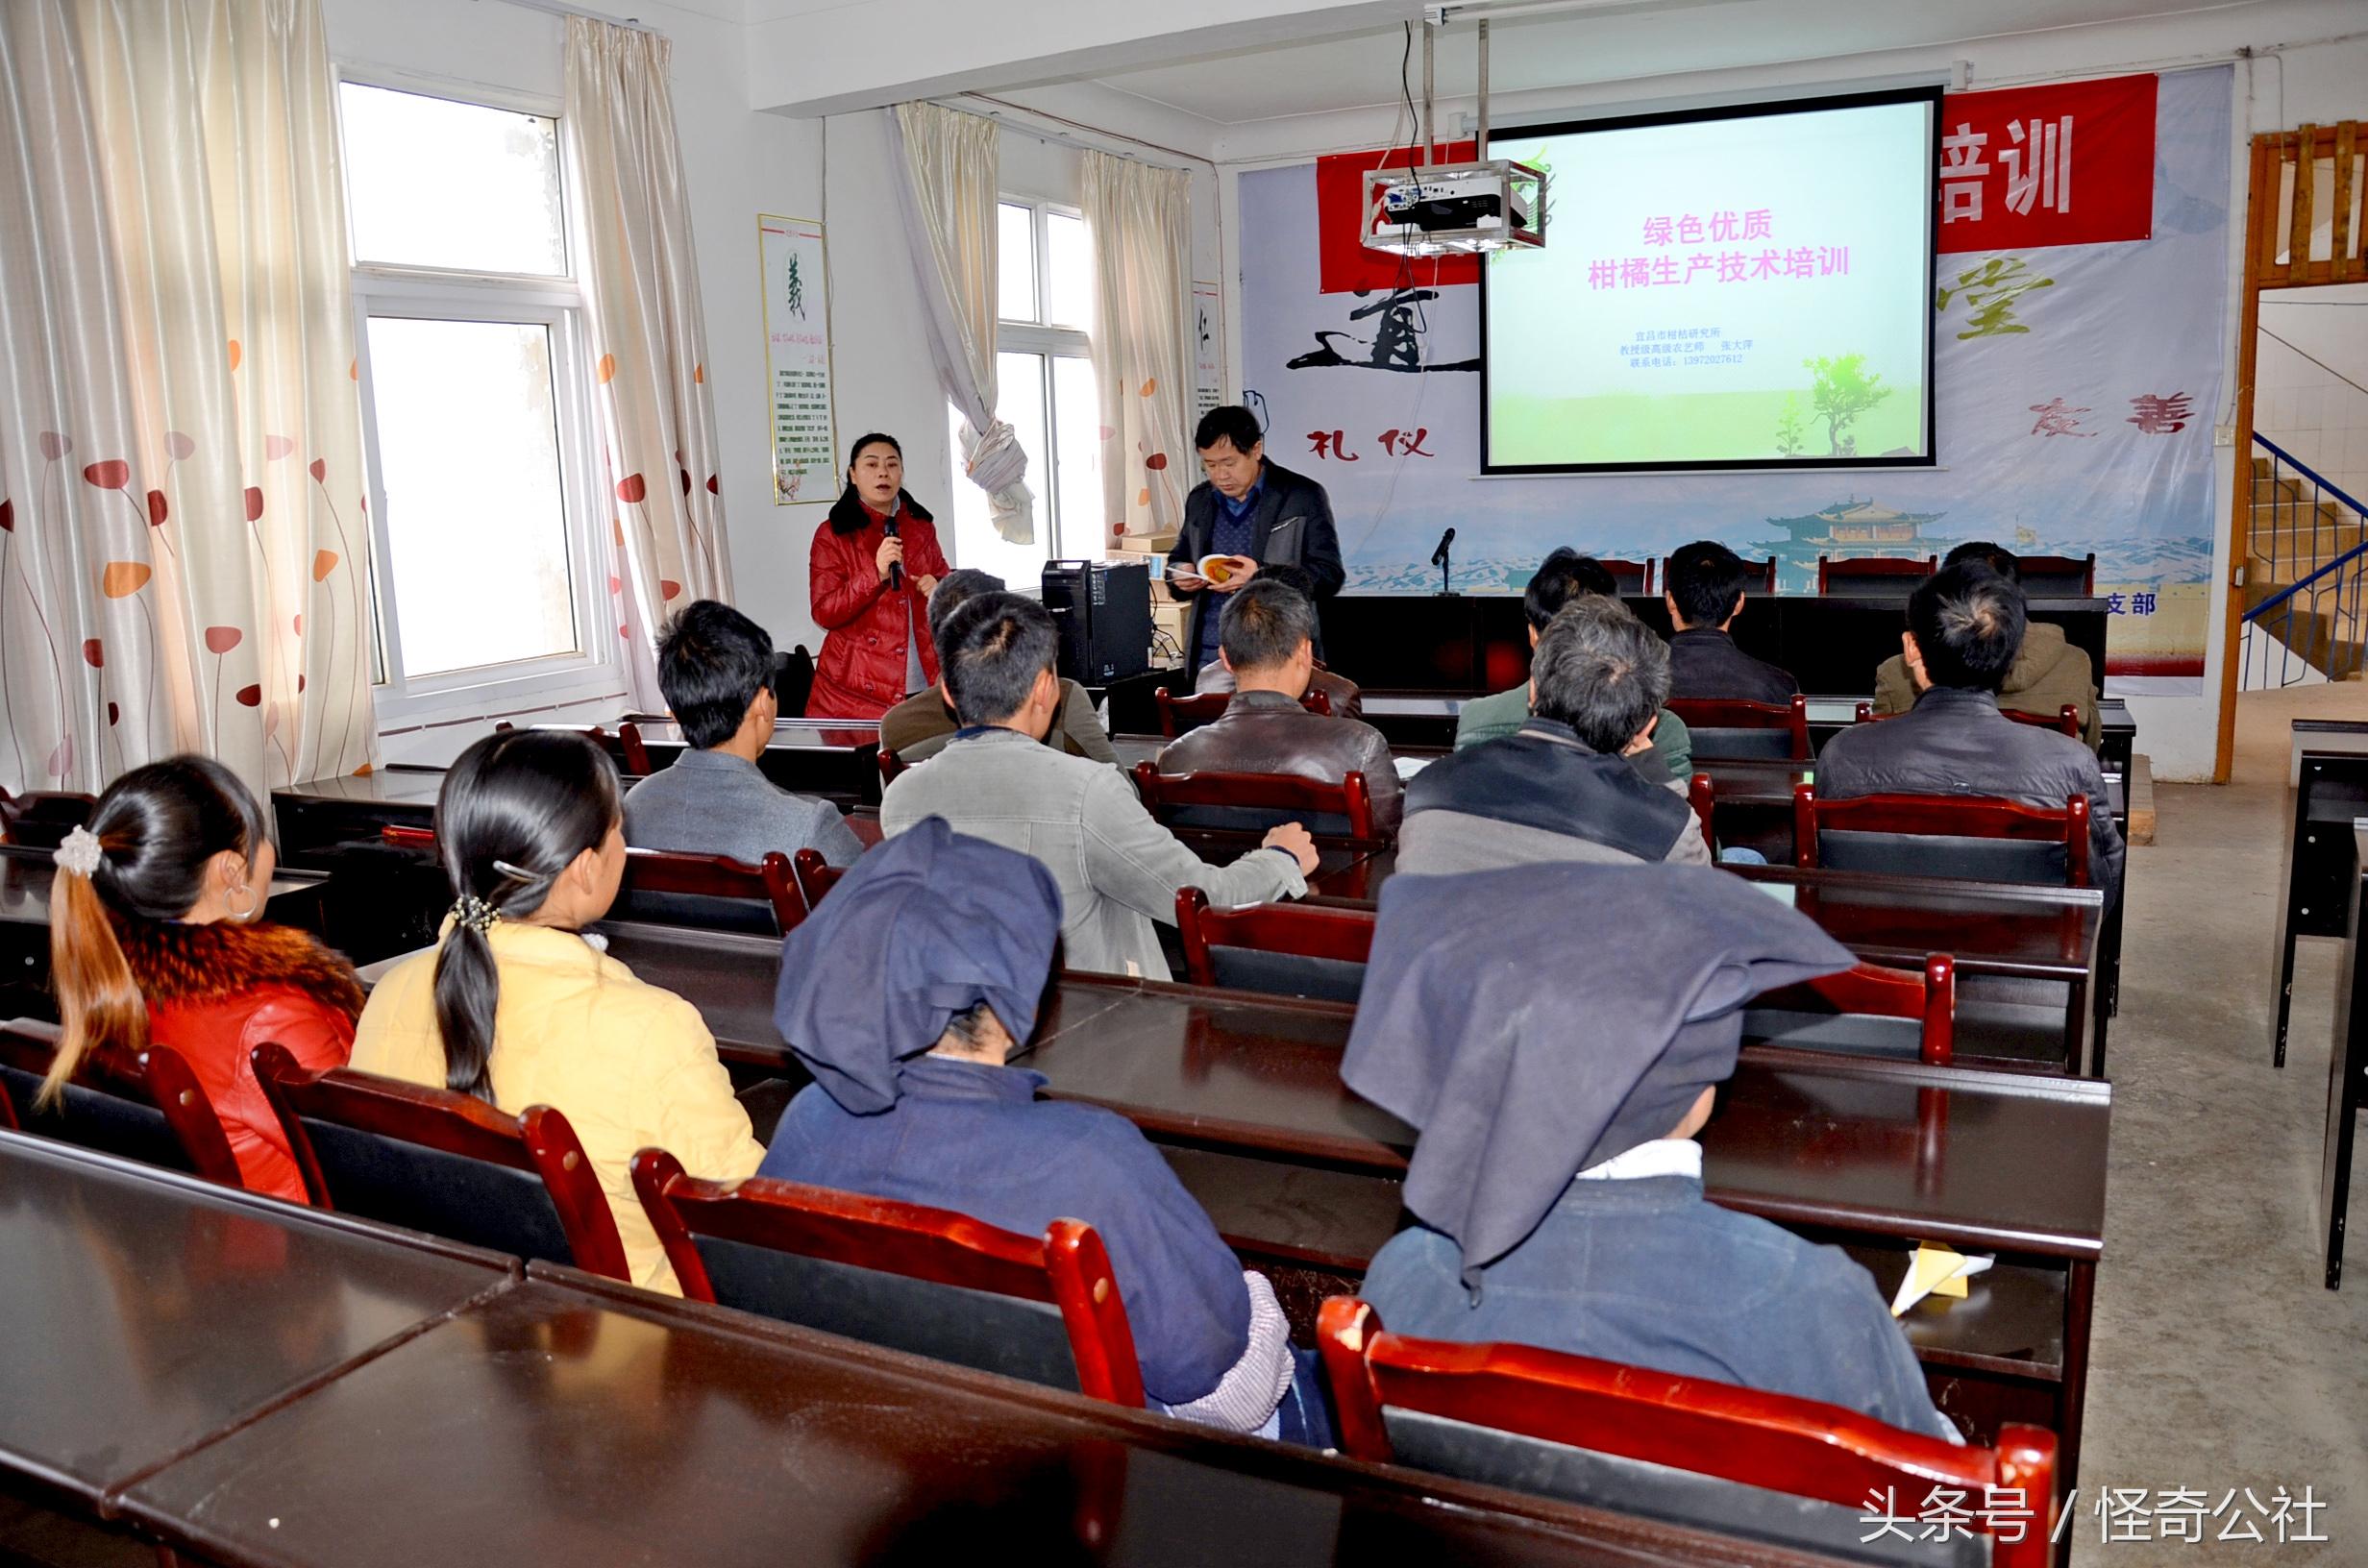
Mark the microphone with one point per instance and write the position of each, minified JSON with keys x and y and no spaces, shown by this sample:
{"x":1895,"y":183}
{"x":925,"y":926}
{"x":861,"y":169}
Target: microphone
{"x":896,"y":570}
{"x":1438,"y":556}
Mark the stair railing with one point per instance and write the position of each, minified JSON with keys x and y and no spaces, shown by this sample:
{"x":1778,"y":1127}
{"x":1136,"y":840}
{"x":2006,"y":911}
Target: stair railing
{"x":2315,"y":621}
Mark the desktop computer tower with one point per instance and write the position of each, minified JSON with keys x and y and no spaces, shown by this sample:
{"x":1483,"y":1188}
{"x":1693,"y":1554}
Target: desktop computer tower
{"x":1102,"y":613}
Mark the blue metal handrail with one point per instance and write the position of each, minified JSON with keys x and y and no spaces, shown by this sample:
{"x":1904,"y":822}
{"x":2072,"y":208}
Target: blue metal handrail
{"x":2307,"y":471}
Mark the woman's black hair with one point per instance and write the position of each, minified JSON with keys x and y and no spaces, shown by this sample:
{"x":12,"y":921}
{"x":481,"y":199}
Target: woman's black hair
{"x":847,"y":516}
{"x":515,"y":812}
{"x":158,"y":827}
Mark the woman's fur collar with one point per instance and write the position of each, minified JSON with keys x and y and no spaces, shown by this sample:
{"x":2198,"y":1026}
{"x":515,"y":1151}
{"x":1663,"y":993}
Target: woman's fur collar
{"x":849,"y":515}
{"x":184,"y":963}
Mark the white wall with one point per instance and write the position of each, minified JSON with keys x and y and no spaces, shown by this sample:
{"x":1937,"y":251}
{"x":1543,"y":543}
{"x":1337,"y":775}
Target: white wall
{"x":2317,"y":411}
{"x":2309,"y":63}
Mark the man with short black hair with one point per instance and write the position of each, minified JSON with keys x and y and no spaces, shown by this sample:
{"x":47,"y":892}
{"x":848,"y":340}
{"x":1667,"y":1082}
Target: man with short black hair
{"x":1563,"y":577}
{"x":2048,"y":674}
{"x":1561,"y":788}
{"x":1966,"y":628}
{"x":1117,"y":869}
{"x":715,"y":667}
{"x":1266,"y":646}
{"x":1705,"y":594}
{"x":1253,"y":512}
{"x":1347,"y":700}
{"x":917,"y":729}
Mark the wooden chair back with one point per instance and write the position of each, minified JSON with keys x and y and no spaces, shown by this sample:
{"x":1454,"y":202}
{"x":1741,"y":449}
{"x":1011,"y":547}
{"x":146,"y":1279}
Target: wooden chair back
{"x":1178,"y":714}
{"x":1833,"y":1012}
{"x":889,"y":766}
{"x":1958,"y":836}
{"x":923,"y":1280}
{"x":2058,"y":577}
{"x":816,"y":876}
{"x":1767,"y":1466}
{"x":447,"y":1163}
{"x":150,"y":1107}
{"x":1259,"y":800}
{"x":2066,"y":720}
{"x":664,"y":886}
{"x":1880,"y":577}
{"x":1628,"y":577}
{"x":1724,"y":727}
{"x":1281,"y":950}
{"x":1703,"y":797}
{"x":42,"y":819}
{"x":626,"y":748}
{"x":792,"y":681}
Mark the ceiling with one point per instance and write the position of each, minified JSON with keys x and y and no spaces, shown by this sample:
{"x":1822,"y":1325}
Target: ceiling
{"x":1618,"y":41}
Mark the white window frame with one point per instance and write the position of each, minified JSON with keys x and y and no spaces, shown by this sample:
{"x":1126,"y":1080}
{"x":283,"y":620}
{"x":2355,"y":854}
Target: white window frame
{"x":1051,"y":342}
{"x":594,"y":669}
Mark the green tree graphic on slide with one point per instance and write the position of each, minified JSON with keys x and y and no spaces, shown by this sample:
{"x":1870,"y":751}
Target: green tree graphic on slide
{"x":1841,"y":391}
{"x":1791,"y":439}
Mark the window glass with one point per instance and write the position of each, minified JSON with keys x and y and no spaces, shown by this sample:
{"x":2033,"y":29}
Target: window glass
{"x":469,"y":463}
{"x":1015,"y":262}
{"x":1069,"y":272}
{"x":434,"y":182}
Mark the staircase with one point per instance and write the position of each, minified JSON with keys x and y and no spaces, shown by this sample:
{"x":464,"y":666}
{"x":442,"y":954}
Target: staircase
{"x":2306,"y":576}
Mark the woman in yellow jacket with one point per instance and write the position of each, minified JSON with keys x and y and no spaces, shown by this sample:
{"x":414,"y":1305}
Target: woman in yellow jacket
{"x":517,"y":1008}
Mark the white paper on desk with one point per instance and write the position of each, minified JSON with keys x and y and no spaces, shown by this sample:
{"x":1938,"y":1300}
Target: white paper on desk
{"x":1408,"y":767}
{"x":1784,"y":892}
{"x":1936,"y":1268}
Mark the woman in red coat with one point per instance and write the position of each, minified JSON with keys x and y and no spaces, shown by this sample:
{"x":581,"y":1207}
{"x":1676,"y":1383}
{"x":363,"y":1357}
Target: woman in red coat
{"x":153,"y":937}
{"x":871,"y":589}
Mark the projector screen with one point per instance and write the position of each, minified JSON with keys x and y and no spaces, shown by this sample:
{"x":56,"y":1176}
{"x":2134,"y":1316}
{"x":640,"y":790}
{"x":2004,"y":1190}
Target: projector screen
{"x":1738,"y":288}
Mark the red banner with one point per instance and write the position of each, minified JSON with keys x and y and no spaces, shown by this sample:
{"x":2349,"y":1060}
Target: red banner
{"x":2068,"y":163}
{"x":1345,"y":265}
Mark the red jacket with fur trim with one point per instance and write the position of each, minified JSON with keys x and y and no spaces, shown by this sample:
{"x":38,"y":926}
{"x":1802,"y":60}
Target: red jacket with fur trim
{"x":215,"y":992}
{"x":866,"y":625}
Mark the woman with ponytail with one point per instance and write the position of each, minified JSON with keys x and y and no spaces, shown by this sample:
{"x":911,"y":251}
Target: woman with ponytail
{"x":153,"y":935}
{"x":514,"y":1006}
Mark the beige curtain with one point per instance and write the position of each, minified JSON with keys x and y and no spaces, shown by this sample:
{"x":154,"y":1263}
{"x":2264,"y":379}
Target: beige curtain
{"x":1143,"y":356}
{"x":951,"y":165}
{"x":648,"y":336}
{"x":183,"y":541}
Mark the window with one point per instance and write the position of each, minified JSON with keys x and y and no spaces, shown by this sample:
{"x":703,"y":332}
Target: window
{"x":469,"y":334}
{"x":1044,"y":379}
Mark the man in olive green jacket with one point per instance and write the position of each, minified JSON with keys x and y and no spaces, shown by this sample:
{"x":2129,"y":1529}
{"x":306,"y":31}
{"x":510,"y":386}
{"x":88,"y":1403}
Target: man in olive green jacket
{"x":1565,"y":575}
{"x":2047,"y":674}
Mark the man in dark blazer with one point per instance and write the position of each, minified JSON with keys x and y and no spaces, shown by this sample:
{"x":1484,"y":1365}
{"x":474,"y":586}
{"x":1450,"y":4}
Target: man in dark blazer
{"x":1253,"y":512}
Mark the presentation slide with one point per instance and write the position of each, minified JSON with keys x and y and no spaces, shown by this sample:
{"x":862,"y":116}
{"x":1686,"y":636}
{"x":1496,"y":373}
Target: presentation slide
{"x":1736,"y":288}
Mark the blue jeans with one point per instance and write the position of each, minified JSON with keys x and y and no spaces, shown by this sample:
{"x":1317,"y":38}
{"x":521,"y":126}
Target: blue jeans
{"x":1738,"y":855}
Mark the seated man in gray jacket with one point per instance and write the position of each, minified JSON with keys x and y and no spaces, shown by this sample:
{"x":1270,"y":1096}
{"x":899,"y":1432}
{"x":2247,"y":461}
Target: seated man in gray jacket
{"x":715,"y":666}
{"x":1560,"y":787}
{"x":1964,"y":630}
{"x":1118,"y":871}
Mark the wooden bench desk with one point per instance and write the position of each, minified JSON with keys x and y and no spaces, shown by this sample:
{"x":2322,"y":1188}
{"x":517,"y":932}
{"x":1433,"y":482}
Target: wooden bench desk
{"x":573,"y":1420}
{"x":836,"y":759}
{"x":2347,"y":1065}
{"x":2329,"y":791}
{"x":151,"y":1314}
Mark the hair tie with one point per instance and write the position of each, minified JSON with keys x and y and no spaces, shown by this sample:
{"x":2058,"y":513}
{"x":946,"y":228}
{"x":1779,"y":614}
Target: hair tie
{"x":475,"y":913}
{"x":80,"y":853}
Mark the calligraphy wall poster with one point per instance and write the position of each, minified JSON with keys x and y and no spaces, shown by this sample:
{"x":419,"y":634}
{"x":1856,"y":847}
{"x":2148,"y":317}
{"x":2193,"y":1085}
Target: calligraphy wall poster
{"x":1208,"y":348}
{"x":2076,"y":373}
{"x":796,"y":317}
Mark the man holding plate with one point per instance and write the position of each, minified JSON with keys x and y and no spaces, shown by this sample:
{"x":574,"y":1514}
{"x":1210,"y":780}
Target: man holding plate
{"x":1248,"y":513}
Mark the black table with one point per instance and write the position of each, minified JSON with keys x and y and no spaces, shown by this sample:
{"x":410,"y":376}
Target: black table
{"x":2347,"y":1065}
{"x":151,"y":1314}
{"x":835,"y":759}
{"x":2330,"y":791}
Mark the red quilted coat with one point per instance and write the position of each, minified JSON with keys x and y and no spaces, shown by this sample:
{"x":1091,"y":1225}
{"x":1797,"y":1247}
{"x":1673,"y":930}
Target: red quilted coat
{"x":215,"y":992}
{"x":865,"y":624}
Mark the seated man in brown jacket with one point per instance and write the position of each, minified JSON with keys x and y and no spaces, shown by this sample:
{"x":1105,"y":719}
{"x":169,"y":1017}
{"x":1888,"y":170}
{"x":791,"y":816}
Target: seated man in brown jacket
{"x":1266,"y":642}
{"x":918,"y":729}
{"x":1347,"y":698}
{"x":2048,"y":673}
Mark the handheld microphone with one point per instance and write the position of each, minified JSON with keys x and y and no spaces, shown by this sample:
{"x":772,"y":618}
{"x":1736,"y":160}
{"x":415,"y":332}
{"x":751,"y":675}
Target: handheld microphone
{"x":896,"y":570}
{"x":1438,"y":556}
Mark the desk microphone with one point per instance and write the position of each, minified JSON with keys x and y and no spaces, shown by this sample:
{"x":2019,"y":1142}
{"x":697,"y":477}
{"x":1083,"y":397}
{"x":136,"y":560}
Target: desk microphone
{"x":1438,"y":556}
{"x":896,"y":569}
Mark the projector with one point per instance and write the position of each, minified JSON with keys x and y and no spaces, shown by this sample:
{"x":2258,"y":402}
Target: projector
{"x":1437,"y":199}
{"x":1460,"y":208}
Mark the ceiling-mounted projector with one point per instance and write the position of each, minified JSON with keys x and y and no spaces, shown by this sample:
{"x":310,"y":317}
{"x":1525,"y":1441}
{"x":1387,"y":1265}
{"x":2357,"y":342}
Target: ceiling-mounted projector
{"x":1454,"y":209}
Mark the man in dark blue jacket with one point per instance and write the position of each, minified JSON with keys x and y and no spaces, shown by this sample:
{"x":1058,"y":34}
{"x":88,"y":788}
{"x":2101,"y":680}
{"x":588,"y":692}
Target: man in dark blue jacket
{"x":1256,"y":514}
